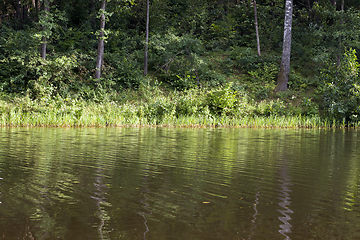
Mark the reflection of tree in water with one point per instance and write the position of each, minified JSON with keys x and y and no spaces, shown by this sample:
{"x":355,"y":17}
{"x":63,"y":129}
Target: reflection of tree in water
{"x":285,"y":202}
{"x":257,"y":195}
{"x":100,"y":199}
{"x":143,"y":214}
{"x":0,"y":188}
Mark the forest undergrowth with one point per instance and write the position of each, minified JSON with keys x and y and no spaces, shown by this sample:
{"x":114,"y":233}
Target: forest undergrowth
{"x":203,"y":66}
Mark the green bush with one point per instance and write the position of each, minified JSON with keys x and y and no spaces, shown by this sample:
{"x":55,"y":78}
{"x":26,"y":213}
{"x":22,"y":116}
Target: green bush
{"x":189,"y":102}
{"x":247,"y":59}
{"x":124,"y":70}
{"x":177,"y":59}
{"x":309,"y":108}
{"x":18,"y":59}
{"x":263,"y":79}
{"x":221,"y":100}
{"x":271,"y":108}
{"x":55,"y":76}
{"x":341,"y":89}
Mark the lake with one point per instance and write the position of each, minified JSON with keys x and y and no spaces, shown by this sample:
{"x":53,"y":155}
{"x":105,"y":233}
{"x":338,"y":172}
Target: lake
{"x":179,"y":183}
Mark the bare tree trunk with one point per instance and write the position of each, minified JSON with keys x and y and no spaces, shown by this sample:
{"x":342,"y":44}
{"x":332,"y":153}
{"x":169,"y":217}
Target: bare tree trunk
{"x":43,"y":39}
{"x":257,"y":30}
{"x":146,"y":38}
{"x":100,"y":51}
{"x":283,"y":77}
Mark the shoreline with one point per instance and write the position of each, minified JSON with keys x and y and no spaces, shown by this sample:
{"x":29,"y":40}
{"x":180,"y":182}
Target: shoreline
{"x":277,"y":122}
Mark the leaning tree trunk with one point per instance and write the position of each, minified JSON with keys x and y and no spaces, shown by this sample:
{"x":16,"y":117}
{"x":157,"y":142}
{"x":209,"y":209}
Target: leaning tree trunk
{"x":257,"y":30}
{"x":43,"y":39}
{"x":146,"y":39}
{"x":283,"y":77}
{"x":100,"y":51}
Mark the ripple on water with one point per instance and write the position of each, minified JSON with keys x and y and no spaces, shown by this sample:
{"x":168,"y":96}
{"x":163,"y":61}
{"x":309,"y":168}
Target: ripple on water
{"x":179,"y":184}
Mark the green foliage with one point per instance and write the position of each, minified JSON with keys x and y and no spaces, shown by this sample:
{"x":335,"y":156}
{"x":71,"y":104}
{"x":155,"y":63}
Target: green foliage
{"x":299,"y":83}
{"x":18,"y":62}
{"x":204,"y":53}
{"x":271,"y":108}
{"x":188,"y":103}
{"x":341,"y":89}
{"x":246,"y":58}
{"x":185,"y":82}
{"x":221,"y":100}
{"x":167,"y":51}
{"x":309,"y":108}
{"x":243,"y":25}
{"x":56,"y":76}
{"x":334,"y":32}
{"x":124,"y":70}
{"x":158,"y":109}
{"x":74,"y":39}
{"x":51,"y":23}
{"x":178,"y":60}
{"x":263,"y":79}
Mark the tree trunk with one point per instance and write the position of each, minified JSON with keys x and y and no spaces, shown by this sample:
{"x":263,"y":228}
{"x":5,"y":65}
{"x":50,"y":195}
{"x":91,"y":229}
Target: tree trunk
{"x":338,"y":57}
{"x":37,"y":2}
{"x":257,"y":30}
{"x":283,"y":77}
{"x":19,"y":13}
{"x":43,"y":39}
{"x":146,"y":38}
{"x":25,"y":11}
{"x":18,"y":9}
{"x":100,"y":51}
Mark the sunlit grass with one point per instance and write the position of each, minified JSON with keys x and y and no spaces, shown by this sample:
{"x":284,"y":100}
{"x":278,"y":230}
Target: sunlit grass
{"x":117,"y":116}
{"x":172,"y":110}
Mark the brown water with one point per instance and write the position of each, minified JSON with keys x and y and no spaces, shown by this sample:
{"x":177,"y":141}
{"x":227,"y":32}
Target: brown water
{"x":166,"y":183}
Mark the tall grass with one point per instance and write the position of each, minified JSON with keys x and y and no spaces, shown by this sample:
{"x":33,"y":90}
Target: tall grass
{"x":192,"y":108}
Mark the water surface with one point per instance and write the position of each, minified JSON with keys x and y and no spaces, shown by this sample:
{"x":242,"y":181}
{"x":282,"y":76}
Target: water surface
{"x":168,"y":183}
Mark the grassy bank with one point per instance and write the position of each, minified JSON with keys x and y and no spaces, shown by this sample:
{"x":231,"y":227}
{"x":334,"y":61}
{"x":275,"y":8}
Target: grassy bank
{"x":152,"y":106}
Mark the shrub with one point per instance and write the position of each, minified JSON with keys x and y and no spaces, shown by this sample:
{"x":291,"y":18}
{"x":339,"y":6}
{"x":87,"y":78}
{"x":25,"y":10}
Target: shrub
{"x":125,"y":70}
{"x":56,"y":75}
{"x":309,"y":108}
{"x":221,"y":100}
{"x":341,"y":89}
{"x":271,"y":108}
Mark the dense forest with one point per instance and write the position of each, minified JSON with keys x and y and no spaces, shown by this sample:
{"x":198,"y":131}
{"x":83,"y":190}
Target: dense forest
{"x":160,"y":61}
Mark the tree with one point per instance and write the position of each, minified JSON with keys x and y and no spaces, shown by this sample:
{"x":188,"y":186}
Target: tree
{"x":100,"y":51}
{"x":43,"y":39}
{"x":338,"y":58}
{"x":283,"y":77}
{"x":257,"y":30}
{"x":146,"y":39}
